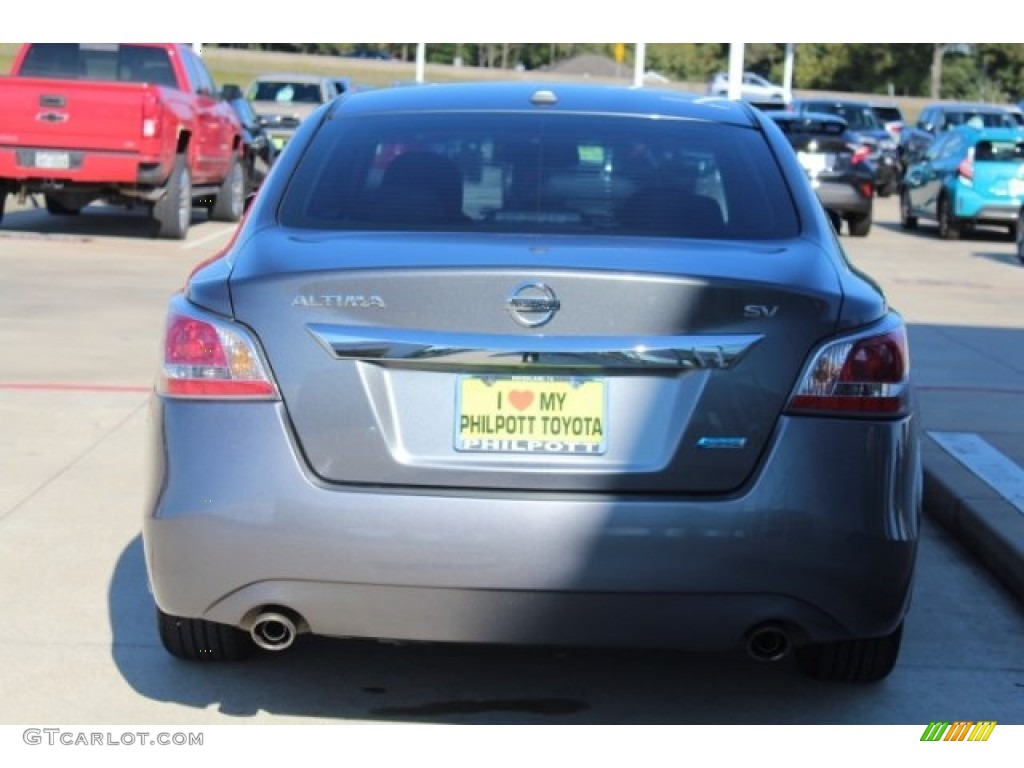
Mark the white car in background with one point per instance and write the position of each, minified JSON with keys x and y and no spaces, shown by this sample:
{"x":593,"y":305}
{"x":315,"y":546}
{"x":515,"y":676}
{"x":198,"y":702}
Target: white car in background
{"x":754,"y":89}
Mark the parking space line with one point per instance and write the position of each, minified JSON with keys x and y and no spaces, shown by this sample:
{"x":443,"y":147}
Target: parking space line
{"x":212,"y":236}
{"x":988,"y":464}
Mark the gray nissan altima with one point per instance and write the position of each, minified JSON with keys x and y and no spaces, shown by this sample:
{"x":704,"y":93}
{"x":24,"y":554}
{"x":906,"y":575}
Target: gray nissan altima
{"x":545,"y":364}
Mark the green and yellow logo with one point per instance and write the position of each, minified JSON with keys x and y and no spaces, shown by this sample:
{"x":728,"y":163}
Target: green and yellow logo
{"x":961,"y":730}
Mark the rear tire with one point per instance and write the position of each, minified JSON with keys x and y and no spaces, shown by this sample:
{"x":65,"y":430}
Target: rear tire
{"x":907,"y":220}
{"x":229,"y":203}
{"x":1019,"y":230}
{"x":173,"y":212}
{"x":948,"y":228}
{"x":859,"y":226}
{"x":201,"y":640}
{"x":865,"y":660}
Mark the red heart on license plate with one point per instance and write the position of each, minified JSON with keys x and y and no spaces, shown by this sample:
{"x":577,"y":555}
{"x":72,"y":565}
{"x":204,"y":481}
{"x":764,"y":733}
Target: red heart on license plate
{"x":520,"y":399}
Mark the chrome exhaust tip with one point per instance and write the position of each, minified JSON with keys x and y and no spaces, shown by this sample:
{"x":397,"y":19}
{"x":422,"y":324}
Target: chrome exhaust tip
{"x":273,"y":631}
{"x":768,"y":643}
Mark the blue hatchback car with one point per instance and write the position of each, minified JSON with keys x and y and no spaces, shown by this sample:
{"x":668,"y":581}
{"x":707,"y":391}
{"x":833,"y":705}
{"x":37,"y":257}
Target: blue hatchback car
{"x":969,"y":177}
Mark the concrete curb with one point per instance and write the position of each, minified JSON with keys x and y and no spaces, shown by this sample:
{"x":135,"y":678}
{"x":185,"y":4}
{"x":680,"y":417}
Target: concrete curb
{"x":985,"y":523}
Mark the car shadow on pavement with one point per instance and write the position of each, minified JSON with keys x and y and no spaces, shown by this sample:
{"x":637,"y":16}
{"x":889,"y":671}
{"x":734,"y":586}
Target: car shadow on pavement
{"x":344,"y":680}
{"x":96,"y":220}
{"x":1008,"y":257}
{"x":929,"y":230}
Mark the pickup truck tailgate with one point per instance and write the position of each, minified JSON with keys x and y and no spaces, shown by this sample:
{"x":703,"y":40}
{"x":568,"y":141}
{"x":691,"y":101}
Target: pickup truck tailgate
{"x":63,"y":114}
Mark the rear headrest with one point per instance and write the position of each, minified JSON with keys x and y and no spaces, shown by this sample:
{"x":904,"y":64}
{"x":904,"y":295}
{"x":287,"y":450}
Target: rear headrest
{"x":426,"y":173}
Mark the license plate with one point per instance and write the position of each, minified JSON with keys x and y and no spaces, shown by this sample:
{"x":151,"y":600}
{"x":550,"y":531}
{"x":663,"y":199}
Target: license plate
{"x":59,"y":160}
{"x":531,"y":415}
{"x":811,"y":162}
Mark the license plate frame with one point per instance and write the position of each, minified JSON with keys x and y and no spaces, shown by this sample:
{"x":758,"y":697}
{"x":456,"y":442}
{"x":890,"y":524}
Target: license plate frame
{"x":531,"y":414}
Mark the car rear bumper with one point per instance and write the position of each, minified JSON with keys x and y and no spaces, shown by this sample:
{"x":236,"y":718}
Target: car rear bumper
{"x":984,"y":210}
{"x":842,"y":198}
{"x":237,"y":524}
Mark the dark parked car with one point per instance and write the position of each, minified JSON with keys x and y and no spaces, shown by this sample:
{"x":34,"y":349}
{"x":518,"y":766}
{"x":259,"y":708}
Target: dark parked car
{"x":861,"y":121}
{"x":837,"y":165}
{"x":259,"y":153}
{"x":619,"y":388}
{"x":938,"y":118}
{"x":891,"y":118}
{"x":968,"y":177}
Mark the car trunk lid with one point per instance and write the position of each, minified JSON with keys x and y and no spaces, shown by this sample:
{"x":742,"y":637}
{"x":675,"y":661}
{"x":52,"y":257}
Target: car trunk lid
{"x":551,"y":364}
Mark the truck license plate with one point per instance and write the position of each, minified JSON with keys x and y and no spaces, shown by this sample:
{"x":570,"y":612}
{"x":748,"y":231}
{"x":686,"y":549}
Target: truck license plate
{"x":55,"y":160}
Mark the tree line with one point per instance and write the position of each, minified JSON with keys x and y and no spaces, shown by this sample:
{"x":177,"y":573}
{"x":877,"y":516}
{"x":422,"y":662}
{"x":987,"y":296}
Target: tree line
{"x":974,"y":71}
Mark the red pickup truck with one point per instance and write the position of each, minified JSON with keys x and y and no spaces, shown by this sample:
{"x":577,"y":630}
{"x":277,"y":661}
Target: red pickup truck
{"x":125,"y":123}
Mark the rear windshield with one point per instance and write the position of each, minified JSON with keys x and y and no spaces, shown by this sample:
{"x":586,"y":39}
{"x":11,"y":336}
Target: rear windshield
{"x":811,"y":126}
{"x":285,"y":92}
{"x":981,"y":119}
{"x":859,"y":118}
{"x":99,"y":61}
{"x":533,"y":173}
{"x":1007,"y":151}
{"x":889,"y":114}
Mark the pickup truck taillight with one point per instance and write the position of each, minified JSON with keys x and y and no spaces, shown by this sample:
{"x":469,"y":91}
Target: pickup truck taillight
{"x":151,"y":114}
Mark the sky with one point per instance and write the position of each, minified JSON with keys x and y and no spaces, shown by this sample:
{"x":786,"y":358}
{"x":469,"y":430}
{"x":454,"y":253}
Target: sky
{"x":520,"y":21}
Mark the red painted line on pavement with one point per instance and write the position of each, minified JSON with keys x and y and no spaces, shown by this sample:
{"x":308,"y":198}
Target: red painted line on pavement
{"x":43,"y":387}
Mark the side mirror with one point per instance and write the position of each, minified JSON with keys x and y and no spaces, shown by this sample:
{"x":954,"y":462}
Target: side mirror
{"x":230,"y":92}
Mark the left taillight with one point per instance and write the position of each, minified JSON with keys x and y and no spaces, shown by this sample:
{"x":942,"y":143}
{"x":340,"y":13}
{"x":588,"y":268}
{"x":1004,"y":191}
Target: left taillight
{"x":966,"y":171}
{"x":864,"y":375}
{"x":204,"y":358}
{"x":151,"y":114}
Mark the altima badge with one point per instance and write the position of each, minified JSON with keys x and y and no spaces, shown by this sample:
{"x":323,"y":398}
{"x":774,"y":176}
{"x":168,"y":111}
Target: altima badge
{"x":342,"y":301}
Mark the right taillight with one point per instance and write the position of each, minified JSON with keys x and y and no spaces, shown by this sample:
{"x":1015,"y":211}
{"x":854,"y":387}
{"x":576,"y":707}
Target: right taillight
{"x":860,"y":154}
{"x":866,"y":375}
{"x":208,"y":359}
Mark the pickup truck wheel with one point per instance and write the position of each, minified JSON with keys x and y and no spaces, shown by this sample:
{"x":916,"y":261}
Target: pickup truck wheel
{"x":230,"y":201}
{"x":58,"y":208}
{"x":173,"y":212}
